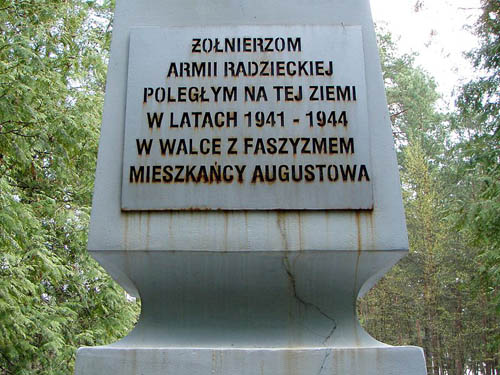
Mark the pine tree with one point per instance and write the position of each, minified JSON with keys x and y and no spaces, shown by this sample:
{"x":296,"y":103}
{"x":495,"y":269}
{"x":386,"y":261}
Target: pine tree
{"x":476,"y":170}
{"x":440,"y":297}
{"x":53,"y":296}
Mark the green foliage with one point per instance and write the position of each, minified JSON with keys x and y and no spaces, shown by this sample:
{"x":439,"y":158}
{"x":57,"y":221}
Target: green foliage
{"x":477,"y":155}
{"x":443,"y":295}
{"x":53,"y":297}
{"x":411,"y":96}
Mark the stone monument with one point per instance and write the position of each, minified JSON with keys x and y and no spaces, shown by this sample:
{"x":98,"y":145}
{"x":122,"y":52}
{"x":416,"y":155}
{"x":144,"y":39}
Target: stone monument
{"x":247,"y":189}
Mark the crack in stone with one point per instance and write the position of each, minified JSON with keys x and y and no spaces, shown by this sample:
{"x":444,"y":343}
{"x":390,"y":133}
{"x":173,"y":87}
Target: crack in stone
{"x":324,"y":361}
{"x":291,"y":279}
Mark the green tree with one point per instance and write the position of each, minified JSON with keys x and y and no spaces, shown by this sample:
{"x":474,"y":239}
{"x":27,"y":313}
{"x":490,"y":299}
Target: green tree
{"x":434,"y":298}
{"x":477,"y":155}
{"x":476,"y":173}
{"x":411,"y":96}
{"x":53,"y":296}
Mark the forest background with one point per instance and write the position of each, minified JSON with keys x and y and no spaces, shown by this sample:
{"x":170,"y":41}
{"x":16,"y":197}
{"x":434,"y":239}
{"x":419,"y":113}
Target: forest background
{"x":54,"y":298}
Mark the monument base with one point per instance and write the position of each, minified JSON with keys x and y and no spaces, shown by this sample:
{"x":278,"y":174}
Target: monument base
{"x":390,"y":360}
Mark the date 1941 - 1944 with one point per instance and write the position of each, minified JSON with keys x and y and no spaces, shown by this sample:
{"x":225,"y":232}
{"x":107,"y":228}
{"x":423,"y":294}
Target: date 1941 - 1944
{"x":259,"y":119}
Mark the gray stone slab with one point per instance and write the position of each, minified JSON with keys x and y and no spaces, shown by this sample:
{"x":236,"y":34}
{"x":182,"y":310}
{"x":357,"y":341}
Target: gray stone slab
{"x":249,"y":299}
{"x":247,"y":117}
{"x":405,"y":360}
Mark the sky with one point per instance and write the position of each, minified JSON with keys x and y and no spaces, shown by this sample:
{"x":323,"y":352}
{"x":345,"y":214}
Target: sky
{"x":436,"y":32}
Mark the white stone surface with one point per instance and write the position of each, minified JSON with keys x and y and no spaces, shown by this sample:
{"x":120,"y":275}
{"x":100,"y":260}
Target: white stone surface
{"x":231,"y":292}
{"x":405,"y":360}
{"x":249,"y":299}
{"x":111,"y":229}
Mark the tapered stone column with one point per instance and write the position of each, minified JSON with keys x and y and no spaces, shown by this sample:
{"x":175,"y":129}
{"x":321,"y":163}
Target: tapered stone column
{"x":244,"y":277}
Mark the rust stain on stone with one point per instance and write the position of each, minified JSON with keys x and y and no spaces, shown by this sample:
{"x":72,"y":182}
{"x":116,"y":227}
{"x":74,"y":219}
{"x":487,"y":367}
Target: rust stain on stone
{"x":358,"y":229}
{"x":369,"y":215}
{"x":148,"y":229}
{"x":245,"y":214}
{"x":356,"y":269}
{"x":281,"y":218}
{"x":226,"y":230}
{"x":125,"y":231}
{"x":301,"y":244}
{"x":214,"y":362}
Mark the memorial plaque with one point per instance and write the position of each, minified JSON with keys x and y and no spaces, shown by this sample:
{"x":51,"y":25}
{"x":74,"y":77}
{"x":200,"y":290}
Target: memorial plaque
{"x":246,"y":117}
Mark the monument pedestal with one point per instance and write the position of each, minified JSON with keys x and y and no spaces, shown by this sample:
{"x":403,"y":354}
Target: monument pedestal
{"x":279,"y":313}
{"x":269,"y":299}
{"x":405,"y":360}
